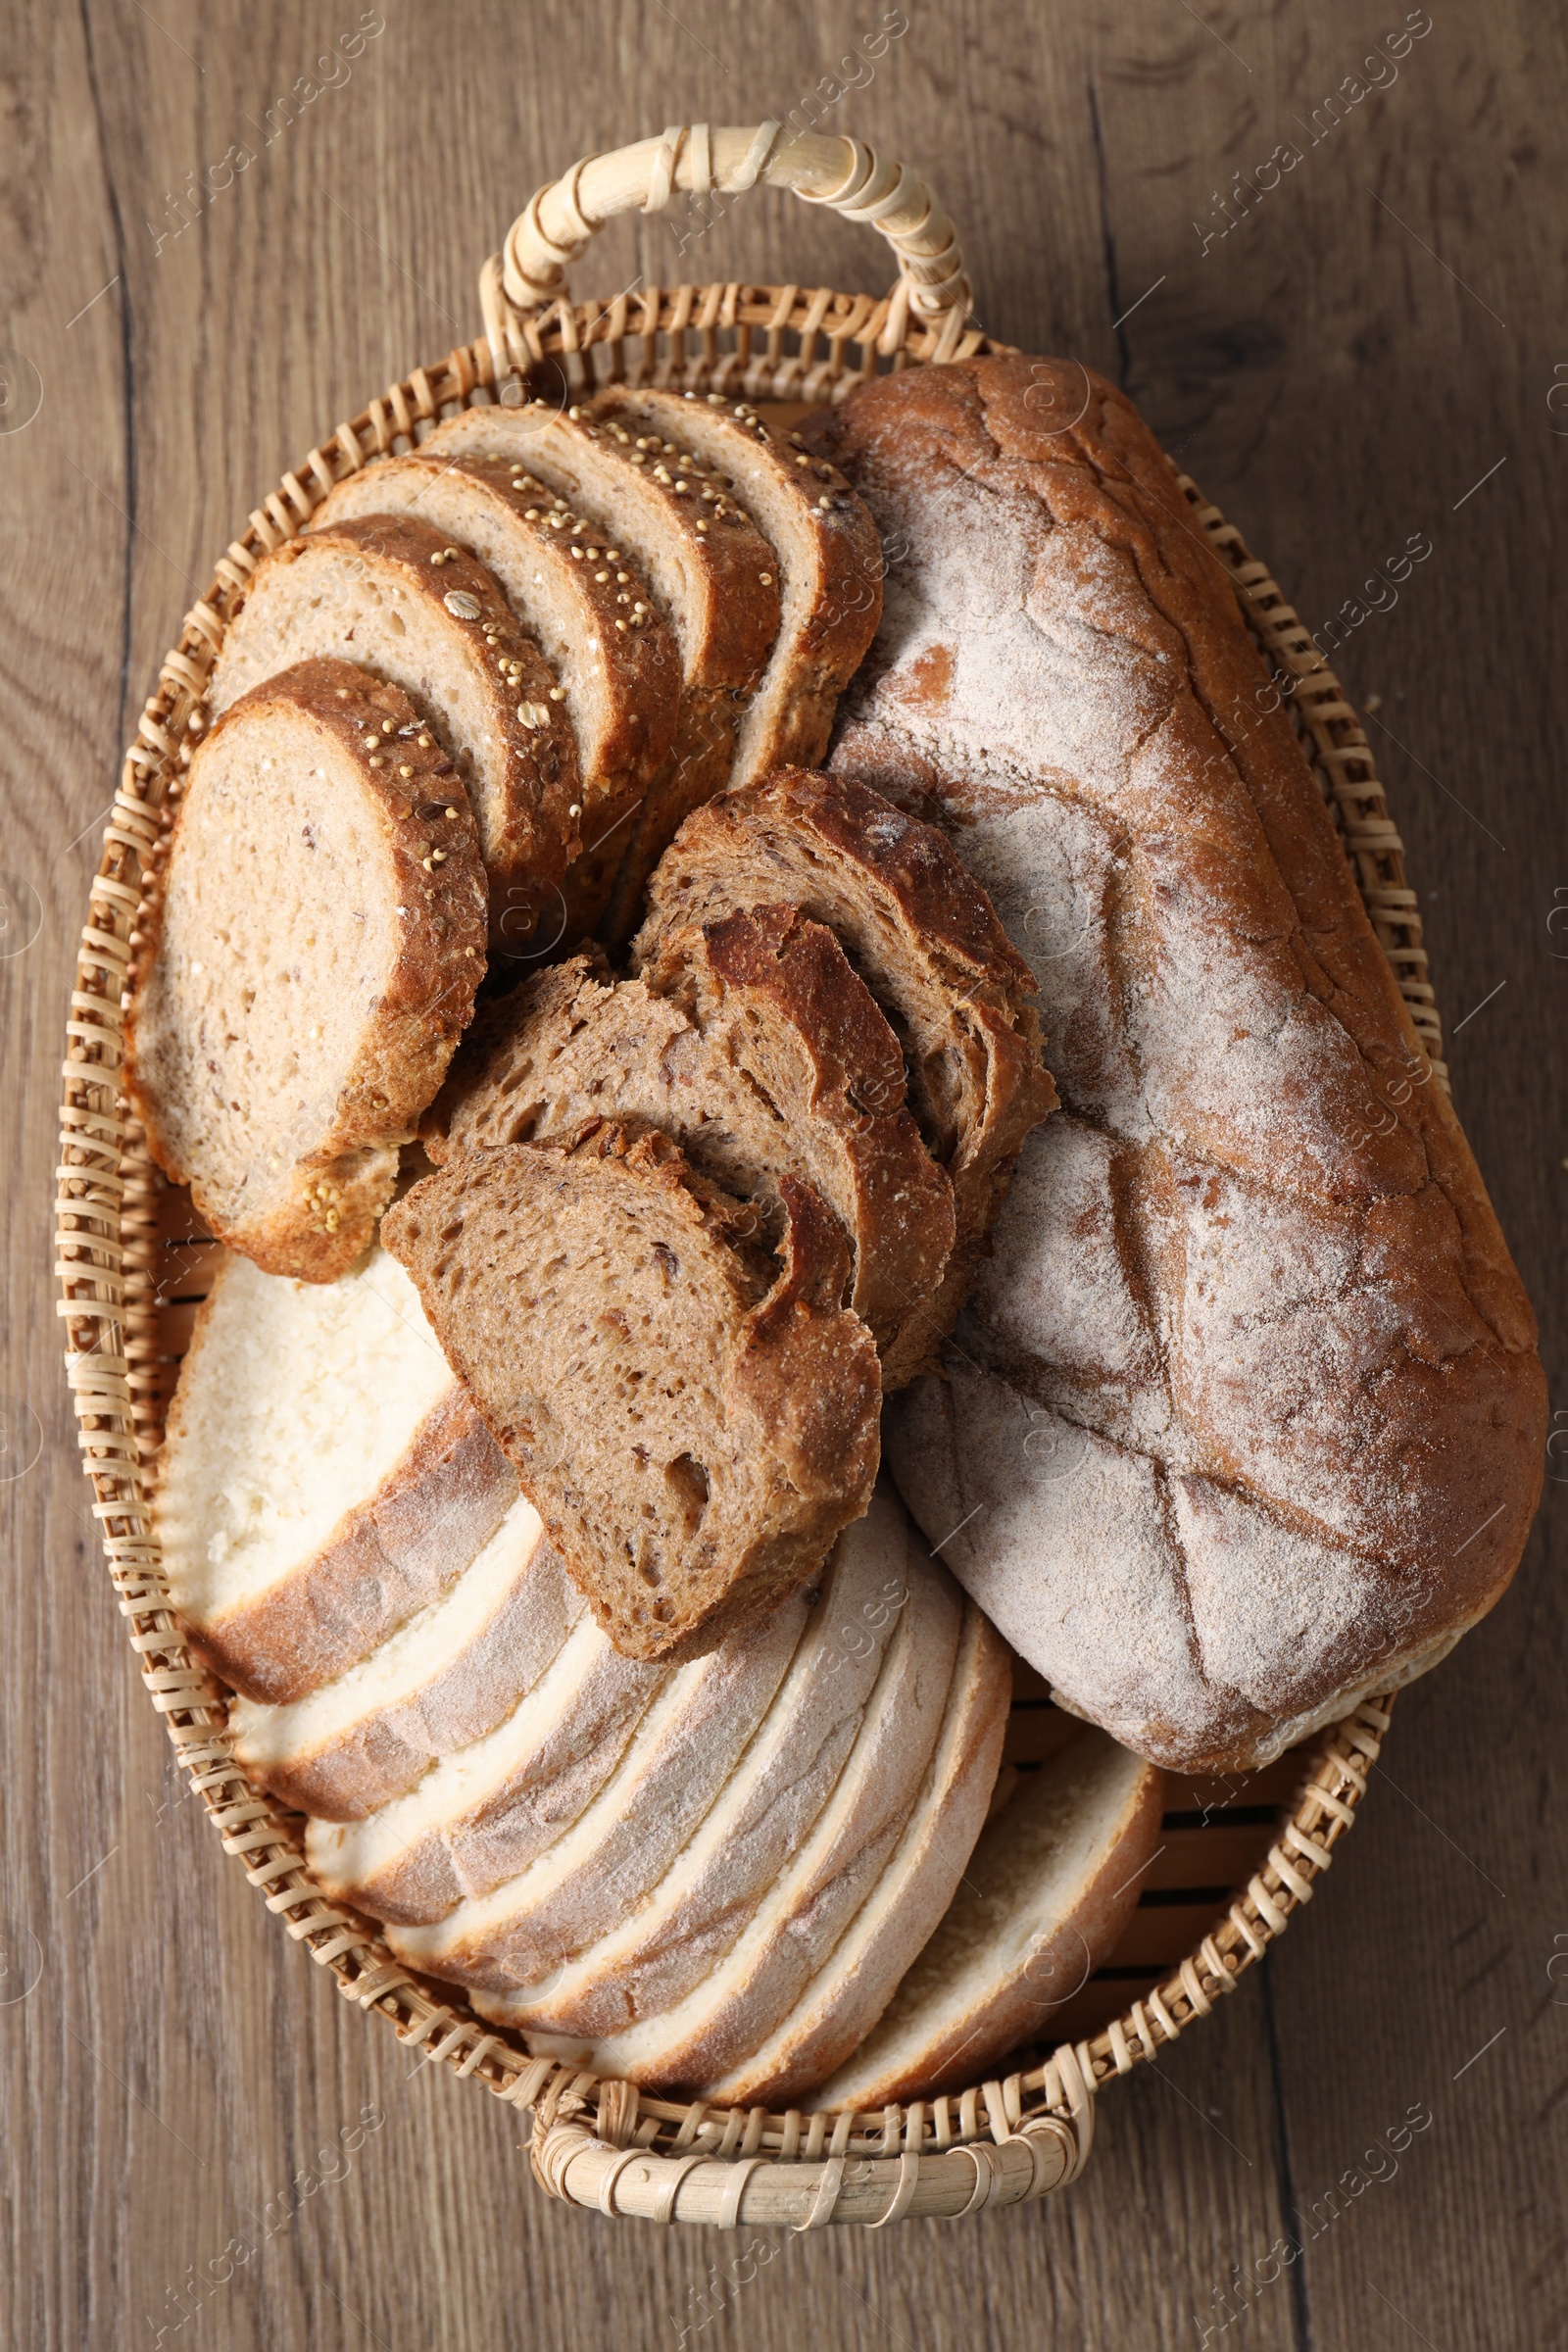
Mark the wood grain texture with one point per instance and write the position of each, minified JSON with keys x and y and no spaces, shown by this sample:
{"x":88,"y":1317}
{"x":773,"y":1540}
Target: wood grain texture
{"x":1375,"y":335}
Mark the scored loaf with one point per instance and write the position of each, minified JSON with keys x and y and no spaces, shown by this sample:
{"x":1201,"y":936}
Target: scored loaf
{"x":694,"y":1416}
{"x":310,"y":955}
{"x":927,"y":943}
{"x":615,"y":658}
{"x":762,"y":1054}
{"x":386,"y":591}
{"x":1247,"y":1419}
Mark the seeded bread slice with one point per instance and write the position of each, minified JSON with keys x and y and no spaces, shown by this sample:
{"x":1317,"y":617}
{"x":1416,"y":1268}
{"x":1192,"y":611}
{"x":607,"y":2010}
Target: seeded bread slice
{"x":829,"y":559}
{"x":384,"y":591}
{"x":1045,"y":1894}
{"x":694,"y":1420}
{"x":708,"y":570}
{"x":924,"y":937}
{"x":765,"y":1057}
{"x":322,"y":1476}
{"x":621,"y":684}
{"x":442,"y":1680}
{"x":310,"y":958}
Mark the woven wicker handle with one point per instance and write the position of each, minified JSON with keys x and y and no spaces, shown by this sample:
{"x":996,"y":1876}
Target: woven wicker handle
{"x":559,"y":221}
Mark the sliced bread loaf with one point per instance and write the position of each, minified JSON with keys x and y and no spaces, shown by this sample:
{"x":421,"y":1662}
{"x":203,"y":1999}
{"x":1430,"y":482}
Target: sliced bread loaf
{"x":926,"y":940}
{"x":322,"y":1476}
{"x":764,"y":1056}
{"x":387,"y":592}
{"x":310,"y":957}
{"x":619,"y":677}
{"x":693,"y":1419}
{"x":1045,"y":1894}
{"x":442,"y":1680}
{"x":709,"y":571}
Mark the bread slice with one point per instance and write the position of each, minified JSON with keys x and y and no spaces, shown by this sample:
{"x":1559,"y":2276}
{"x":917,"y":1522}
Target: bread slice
{"x":693,"y":1419}
{"x":387,"y":591}
{"x":482,"y":1816}
{"x":683,"y":1924}
{"x":708,"y":570}
{"x":926,"y":940}
{"x":924,"y":1873}
{"x":829,"y":558}
{"x":618,"y":677}
{"x":1045,"y":1894}
{"x":322,"y":1476}
{"x":442,"y":1680}
{"x":678,"y":1762}
{"x":310,"y":958}
{"x":764,"y":1056}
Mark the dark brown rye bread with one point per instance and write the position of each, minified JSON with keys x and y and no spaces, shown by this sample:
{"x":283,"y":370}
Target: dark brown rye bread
{"x":925,"y":939}
{"x":693,"y":1425}
{"x":764,"y":1055}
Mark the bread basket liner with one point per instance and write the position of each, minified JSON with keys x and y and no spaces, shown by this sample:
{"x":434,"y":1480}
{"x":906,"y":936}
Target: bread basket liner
{"x":598,"y":2143}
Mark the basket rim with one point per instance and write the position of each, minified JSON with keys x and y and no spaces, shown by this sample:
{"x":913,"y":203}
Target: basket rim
{"x":999,"y":2141}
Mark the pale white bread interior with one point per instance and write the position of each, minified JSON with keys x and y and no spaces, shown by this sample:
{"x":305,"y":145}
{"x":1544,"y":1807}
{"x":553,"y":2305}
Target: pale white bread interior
{"x":371,"y":590}
{"x":709,"y":571}
{"x":829,"y":559}
{"x":311,"y":950}
{"x":320,"y":1477}
{"x":1050,"y":1885}
{"x":480,"y":1816}
{"x":678,"y":1762}
{"x":442,"y":1680}
{"x":615,"y":657}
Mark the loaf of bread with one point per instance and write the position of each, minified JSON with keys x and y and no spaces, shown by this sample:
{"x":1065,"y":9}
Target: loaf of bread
{"x":1246,"y":1417}
{"x":309,"y":960}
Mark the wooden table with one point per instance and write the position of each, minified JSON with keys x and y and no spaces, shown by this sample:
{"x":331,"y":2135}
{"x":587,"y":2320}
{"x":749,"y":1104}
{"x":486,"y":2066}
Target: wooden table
{"x":1349,"y":350}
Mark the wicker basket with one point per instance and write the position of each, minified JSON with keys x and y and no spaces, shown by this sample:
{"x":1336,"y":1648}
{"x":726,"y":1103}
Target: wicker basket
{"x":133,"y":1269}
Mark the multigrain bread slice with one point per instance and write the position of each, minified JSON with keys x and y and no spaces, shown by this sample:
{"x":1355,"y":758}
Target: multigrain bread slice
{"x":763,"y":1055}
{"x":926,"y":940}
{"x":322,"y":1476}
{"x":921,"y":1881}
{"x":386,"y":591}
{"x":1050,"y":1887}
{"x":615,"y":658}
{"x":709,"y":571}
{"x":694,"y":1418}
{"x":442,"y":1680}
{"x":310,"y":955}
{"x":828,"y":558}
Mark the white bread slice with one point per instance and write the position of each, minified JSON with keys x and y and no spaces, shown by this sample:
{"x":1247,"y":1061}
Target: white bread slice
{"x":620,"y":676}
{"x":1045,"y":1894}
{"x":435,"y":1685}
{"x":834,"y":2010}
{"x":829,"y":559}
{"x":482,"y":1815}
{"x":310,"y":952}
{"x":323,"y":1476}
{"x":840,"y":1752}
{"x":388,"y":592}
{"x":708,"y":570}
{"x":678,"y":1762}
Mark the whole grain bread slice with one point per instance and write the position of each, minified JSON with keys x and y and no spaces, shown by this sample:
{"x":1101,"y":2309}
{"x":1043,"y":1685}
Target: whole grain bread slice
{"x":1052,"y":1883}
{"x":322,"y":1476}
{"x":620,"y":682}
{"x":310,"y":955}
{"x":764,"y":1055}
{"x":709,"y":571}
{"x":693,"y":1419}
{"x":925,"y":939}
{"x":386,"y":591}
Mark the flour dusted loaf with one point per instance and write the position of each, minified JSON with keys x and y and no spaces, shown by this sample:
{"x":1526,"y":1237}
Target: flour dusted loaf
{"x":1248,"y":1416}
{"x":694,"y":1417}
{"x":311,"y":951}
